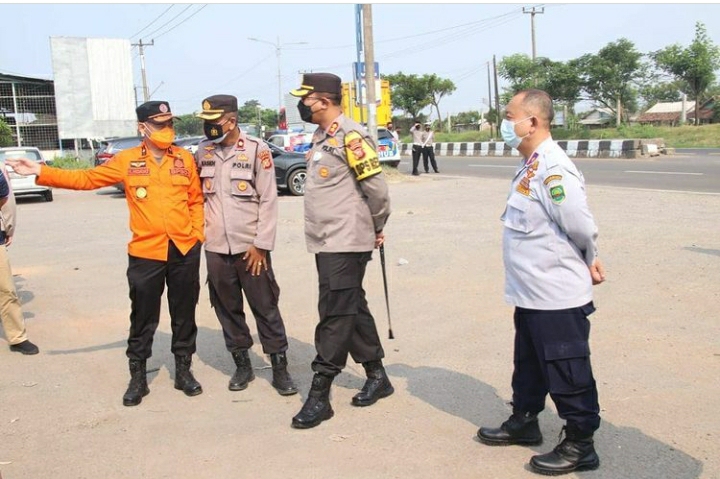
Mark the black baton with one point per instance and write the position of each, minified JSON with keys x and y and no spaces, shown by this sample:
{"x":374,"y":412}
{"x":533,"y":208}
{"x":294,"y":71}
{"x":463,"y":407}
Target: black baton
{"x":387,"y":301}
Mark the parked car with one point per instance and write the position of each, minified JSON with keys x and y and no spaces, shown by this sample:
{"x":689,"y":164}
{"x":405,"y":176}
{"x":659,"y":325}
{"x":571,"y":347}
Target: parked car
{"x":290,"y":170}
{"x":25,"y":185}
{"x":113,"y":145}
{"x":388,"y":148}
{"x":190,"y":143}
{"x":298,"y":142}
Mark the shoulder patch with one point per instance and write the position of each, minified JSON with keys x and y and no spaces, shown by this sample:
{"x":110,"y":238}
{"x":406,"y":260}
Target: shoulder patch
{"x":361,"y":156}
{"x":552,"y":178}
{"x":265,"y":158}
{"x":557,"y":193}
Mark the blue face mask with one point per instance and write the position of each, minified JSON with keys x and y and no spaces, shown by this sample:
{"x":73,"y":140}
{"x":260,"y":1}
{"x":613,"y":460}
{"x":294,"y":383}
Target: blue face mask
{"x":507,"y":130}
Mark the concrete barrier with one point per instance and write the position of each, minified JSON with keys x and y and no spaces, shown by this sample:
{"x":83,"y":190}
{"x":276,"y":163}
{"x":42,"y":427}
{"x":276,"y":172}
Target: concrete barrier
{"x":574,"y":148}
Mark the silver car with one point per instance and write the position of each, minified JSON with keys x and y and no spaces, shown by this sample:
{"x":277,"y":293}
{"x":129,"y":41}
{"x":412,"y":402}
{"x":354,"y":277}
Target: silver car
{"x":25,"y":185}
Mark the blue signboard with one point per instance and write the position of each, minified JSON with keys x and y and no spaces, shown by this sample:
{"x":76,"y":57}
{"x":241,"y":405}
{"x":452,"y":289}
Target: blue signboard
{"x":359,"y":70}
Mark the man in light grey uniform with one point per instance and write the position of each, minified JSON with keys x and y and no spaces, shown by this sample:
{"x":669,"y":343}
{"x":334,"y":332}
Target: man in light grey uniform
{"x":240,"y":191}
{"x":346,"y":207}
{"x":551,"y":264}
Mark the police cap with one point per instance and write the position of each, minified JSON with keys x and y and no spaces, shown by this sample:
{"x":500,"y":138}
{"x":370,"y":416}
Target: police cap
{"x":213,"y":107}
{"x":154,"y":110}
{"x":319,"y":82}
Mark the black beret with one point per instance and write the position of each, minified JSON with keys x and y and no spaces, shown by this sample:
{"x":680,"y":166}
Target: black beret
{"x":154,"y":110}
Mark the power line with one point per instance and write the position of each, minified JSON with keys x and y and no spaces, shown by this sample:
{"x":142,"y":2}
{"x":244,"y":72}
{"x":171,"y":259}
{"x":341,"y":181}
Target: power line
{"x":186,"y":19}
{"x":169,"y":21}
{"x":155,"y":20}
{"x":424,"y":34}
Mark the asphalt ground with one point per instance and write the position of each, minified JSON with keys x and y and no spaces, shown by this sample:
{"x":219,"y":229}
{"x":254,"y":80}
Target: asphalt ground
{"x":655,"y":349}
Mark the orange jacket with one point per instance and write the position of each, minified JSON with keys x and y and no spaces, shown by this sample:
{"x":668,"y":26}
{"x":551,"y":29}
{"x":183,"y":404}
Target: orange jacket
{"x":165,"y":200}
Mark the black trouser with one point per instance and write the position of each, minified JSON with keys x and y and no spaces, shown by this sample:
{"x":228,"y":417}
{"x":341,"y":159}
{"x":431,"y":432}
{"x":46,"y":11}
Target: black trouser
{"x":552,"y":355}
{"x":147,"y":278}
{"x":227,"y":279}
{"x":429,"y":151}
{"x":346,"y":324}
{"x":416,"y":151}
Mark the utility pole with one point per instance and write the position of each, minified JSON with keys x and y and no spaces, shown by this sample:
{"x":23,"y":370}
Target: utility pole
{"x":533,"y":11}
{"x":140,"y":45}
{"x":497,"y":99}
{"x":370,"y":70}
{"x":278,"y":48}
{"x":489,"y":100}
{"x":359,"y":51}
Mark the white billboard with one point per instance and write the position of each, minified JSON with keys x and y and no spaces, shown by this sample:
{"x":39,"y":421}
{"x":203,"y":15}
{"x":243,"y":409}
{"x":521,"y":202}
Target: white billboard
{"x":94,"y":91}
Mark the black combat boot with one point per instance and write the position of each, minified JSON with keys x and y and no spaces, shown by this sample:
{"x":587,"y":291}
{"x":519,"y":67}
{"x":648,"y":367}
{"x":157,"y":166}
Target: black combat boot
{"x":520,"y":428}
{"x":377,"y":385}
{"x":184,"y":378}
{"x":138,"y":386}
{"x":244,"y":372}
{"x":317,"y":408}
{"x":282,"y":382}
{"x":575,"y":453}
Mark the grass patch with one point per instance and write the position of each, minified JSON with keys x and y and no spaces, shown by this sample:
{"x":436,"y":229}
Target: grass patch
{"x":71,"y":163}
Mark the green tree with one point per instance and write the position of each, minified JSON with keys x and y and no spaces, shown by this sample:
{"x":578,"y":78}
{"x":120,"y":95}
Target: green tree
{"x":409,"y":93}
{"x":609,"y":75}
{"x":5,"y":134}
{"x":188,"y":125}
{"x":437,"y":88}
{"x":695,"y":66}
{"x":656,"y":90}
{"x":560,"y":80}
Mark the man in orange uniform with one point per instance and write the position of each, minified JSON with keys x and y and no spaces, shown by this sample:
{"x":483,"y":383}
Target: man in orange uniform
{"x":166,"y":219}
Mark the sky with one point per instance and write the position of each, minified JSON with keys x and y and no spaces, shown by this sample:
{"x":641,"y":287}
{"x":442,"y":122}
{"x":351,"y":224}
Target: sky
{"x":204,"y":49}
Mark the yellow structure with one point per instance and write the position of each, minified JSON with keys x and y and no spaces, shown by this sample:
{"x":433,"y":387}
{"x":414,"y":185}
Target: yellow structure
{"x":351,"y":107}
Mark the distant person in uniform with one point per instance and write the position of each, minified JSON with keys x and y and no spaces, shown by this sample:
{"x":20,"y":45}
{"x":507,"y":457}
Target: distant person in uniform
{"x":11,"y":313}
{"x":166,"y":219}
{"x":416,"y":133}
{"x":428,"y":149}
{"x":551,"y":264}
{"x":391,"y":128}
{"x":346,"y":207}
{"x":238,"y":182}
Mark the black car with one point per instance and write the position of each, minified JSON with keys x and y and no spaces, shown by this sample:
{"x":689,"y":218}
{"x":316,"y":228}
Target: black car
{"x":290,"y":170}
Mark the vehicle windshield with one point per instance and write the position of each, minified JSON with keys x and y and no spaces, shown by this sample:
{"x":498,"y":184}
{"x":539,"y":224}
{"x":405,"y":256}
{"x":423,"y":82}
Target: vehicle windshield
{"x":30,"y":154}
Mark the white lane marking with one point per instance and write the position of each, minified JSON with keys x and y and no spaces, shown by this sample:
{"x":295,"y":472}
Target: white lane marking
{"x":664,"y":172}
{"x":494,"y":166}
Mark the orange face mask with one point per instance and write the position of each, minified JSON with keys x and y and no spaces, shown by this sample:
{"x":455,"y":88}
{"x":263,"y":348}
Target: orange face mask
{"x":162,"y":138}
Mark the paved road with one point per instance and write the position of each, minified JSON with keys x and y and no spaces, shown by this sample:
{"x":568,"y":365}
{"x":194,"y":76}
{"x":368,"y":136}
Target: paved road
{"x":693,"y":170}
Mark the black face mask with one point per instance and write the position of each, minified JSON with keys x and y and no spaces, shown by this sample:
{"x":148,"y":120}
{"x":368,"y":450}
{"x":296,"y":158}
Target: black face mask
{"x":213,"y":131}
{"x":306,"y":112}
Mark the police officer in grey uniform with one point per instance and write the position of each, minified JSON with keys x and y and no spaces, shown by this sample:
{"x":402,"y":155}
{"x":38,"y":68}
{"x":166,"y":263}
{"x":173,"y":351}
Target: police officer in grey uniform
{"x":240,"y":191}
{"x":551,"y":264}
{"x":346,"y":207}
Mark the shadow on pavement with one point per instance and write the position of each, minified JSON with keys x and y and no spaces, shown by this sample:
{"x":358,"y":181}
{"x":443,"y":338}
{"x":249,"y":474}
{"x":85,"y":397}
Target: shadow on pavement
{"x":625,"y":452}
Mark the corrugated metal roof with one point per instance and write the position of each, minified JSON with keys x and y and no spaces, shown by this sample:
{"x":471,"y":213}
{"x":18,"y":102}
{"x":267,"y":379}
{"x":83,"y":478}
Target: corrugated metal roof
{"x":671,"y":107}
{"x":18,"y":78}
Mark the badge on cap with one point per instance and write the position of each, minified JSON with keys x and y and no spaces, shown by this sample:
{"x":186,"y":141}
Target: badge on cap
{"x":206,"y":105}
{"x":140,"y":193}
{"x":163,"y":108}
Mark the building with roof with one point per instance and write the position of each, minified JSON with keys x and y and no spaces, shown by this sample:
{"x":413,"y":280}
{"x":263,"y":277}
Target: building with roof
{"x":669,"y":113}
